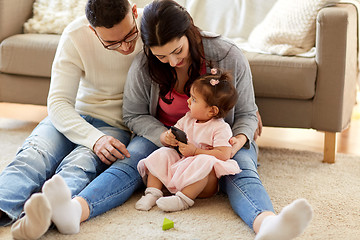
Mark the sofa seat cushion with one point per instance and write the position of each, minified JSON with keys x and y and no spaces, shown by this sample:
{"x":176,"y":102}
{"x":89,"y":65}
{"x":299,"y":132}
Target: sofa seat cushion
{"x":277,"y":76}
{"x":28,"y":54}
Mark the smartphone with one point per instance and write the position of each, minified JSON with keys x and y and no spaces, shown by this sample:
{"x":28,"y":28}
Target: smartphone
{"x":179,"y":134}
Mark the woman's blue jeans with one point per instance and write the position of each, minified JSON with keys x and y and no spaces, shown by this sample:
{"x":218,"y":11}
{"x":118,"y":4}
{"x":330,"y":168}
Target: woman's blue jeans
{"x":247,"y":195}
{"x":116,"y":184}
{"x":47,"y":152}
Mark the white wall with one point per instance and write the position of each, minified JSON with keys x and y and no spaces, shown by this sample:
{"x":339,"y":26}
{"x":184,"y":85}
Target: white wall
{"x":142,"y":3}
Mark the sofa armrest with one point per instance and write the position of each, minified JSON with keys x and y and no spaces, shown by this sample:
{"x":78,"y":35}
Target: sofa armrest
{"x":336,"y":57}
{"x":13,"y":14}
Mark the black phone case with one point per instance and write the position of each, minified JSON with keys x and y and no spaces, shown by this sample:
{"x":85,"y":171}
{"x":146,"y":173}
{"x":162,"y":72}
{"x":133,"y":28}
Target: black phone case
{"x":179,"y":134}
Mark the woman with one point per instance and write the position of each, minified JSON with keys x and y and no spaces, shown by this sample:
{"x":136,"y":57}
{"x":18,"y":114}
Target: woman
{"x":175,"y":54}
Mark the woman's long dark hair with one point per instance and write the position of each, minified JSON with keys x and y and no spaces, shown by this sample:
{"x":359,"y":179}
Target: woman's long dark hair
{"x":162,"y":22}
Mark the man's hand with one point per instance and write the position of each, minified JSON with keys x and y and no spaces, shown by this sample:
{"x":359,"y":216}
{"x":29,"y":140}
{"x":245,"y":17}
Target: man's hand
{"x":258,"y":131}
{"x":109,"y":149}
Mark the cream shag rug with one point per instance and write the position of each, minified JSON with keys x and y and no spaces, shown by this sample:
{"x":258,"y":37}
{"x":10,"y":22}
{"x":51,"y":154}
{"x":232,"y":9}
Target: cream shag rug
{"x":332,"y":190}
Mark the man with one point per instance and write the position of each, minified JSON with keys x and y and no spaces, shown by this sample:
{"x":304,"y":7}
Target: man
{"x":84,"y":132}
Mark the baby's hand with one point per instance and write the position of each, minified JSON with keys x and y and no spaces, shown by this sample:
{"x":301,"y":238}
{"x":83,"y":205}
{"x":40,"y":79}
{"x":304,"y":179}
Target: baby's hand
{"x":168,"y":139}
{"x":187,"y":150}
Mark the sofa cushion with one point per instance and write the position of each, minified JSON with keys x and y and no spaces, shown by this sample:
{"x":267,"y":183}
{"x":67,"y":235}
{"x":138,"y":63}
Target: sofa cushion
{"x":283,"y":77}
{"x":28,"y":54}
{"x":52,"y":16}
{"x":288,"y":28}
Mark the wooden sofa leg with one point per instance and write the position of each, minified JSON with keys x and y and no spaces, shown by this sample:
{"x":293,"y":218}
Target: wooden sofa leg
{"x":329,"y":147}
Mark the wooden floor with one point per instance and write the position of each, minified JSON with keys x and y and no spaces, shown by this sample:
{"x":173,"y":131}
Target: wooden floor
{"x":302,"y":139}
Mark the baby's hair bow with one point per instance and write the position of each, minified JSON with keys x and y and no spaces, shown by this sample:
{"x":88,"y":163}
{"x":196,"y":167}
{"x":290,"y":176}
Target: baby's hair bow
{"x":213,"y":71}
{"x":214,"y":82}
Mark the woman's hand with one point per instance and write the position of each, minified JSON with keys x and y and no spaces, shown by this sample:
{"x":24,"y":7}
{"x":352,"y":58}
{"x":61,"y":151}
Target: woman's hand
{"x":237,"y":143}
{"x":109,"y":149}
{"x":258,"y":131}
{"x":168,"y":139}
{"x":187,"y":150}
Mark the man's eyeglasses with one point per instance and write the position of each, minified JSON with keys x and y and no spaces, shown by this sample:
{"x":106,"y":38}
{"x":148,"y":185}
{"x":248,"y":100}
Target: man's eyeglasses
{"x":127,"y":39}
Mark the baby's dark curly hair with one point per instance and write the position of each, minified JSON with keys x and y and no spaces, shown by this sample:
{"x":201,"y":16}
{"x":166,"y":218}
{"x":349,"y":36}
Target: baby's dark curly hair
{"x":217,"y":89}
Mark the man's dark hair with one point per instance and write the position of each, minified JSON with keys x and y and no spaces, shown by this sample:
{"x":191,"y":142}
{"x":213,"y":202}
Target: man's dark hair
{"x":106,"y":13}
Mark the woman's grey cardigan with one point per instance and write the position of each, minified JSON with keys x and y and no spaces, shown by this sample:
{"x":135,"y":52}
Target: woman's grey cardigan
{"x":141,"y":95}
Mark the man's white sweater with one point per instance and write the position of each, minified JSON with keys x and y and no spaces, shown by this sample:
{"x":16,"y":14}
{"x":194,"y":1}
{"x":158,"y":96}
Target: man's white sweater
{"x":86,"y":79}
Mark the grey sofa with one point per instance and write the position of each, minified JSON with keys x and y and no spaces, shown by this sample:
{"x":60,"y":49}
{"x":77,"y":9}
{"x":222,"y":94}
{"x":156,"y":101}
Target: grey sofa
{"x":294,"y":92}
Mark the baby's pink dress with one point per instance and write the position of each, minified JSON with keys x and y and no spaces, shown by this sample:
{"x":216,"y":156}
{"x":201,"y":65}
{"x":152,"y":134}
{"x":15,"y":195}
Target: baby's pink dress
{"x":177,"y":172}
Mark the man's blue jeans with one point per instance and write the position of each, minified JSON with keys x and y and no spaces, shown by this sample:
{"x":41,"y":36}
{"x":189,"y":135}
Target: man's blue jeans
{"x":47,"y":152}
{"x":117,"y":183}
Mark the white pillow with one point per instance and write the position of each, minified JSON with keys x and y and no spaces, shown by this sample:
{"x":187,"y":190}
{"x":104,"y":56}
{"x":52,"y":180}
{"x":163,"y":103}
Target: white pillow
{"x":52,"y":16}
{"x":288,"y":28}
